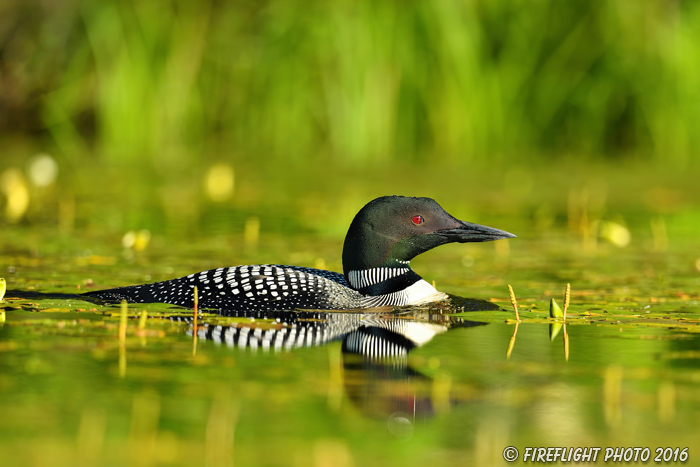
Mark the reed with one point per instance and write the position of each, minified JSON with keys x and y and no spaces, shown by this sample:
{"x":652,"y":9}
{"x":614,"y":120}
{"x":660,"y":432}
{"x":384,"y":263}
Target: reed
{"x":194,"y":321}
{"x":123,"y":315}
{"x":514,"y":302}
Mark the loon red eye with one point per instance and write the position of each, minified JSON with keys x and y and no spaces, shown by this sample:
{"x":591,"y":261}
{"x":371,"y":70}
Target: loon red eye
{"x":418,"y":220}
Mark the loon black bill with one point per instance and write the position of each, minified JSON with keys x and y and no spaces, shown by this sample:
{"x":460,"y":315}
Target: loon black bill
{"x":468,"y":232}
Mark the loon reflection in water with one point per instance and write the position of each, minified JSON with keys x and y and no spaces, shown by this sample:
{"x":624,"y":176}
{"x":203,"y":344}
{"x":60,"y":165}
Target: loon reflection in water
{"x":376,"y":374}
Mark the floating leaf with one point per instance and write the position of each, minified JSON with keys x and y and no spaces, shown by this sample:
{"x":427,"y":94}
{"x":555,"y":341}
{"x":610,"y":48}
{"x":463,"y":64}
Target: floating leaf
{"x":615,"y":233}
{"x":555,"y":310}
{"x":16,"y":190}
{"x":219,"y":182}
{"x":136,"y":240}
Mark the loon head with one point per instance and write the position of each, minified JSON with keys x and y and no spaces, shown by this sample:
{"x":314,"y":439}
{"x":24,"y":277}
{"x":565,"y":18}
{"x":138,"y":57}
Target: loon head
{"x":391,"y":230}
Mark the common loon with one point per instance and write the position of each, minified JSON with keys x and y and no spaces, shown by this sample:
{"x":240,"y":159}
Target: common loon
{"x":382,"y":239}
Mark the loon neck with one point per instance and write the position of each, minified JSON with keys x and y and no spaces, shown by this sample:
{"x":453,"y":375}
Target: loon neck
{"x":383,"y":279}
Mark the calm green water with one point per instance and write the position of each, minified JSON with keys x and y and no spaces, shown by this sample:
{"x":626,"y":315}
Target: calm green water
{"x":68,"y":388}
{"x":73,"y":393}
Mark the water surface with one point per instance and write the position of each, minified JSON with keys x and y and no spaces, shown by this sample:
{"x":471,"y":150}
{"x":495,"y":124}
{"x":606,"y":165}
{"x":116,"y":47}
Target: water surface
{"x":73,"y":392}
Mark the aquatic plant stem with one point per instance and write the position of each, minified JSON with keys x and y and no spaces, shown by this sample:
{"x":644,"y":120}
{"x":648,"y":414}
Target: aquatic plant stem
{"x":514,"y":302}
{"x":122,"y":321}
{"x":567,"y":298}
{"x":142,"y":319}
{"x":196,"y":305}
{"x":122,"y":338}
{"x":194,"y":324}
{"x":511,"y":342}
{"x":3,"y":288}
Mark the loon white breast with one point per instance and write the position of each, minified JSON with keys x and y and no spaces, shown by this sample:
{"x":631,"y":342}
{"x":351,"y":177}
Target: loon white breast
{"x":382,"y":239}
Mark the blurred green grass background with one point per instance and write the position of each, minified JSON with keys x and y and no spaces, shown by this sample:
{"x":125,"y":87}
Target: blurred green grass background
{"x":492,"y":101}
{"x":354,"y":80}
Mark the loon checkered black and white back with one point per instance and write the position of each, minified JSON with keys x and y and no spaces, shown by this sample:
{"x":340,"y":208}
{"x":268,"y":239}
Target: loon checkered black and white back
{"x":382,"y":239}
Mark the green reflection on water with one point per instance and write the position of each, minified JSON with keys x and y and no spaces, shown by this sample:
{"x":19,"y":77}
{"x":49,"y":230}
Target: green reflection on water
{"x":457,"y":396}
{"x":68,"y":386}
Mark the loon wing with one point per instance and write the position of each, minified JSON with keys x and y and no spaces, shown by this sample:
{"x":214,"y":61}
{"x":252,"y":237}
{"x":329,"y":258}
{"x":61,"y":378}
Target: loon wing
{"x":246,"y":288}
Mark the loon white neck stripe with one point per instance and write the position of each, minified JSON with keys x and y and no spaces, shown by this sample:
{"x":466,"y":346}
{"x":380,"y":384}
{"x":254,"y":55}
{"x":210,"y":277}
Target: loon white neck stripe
{"x":367,"y":277}
{"x":417,"y":294}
